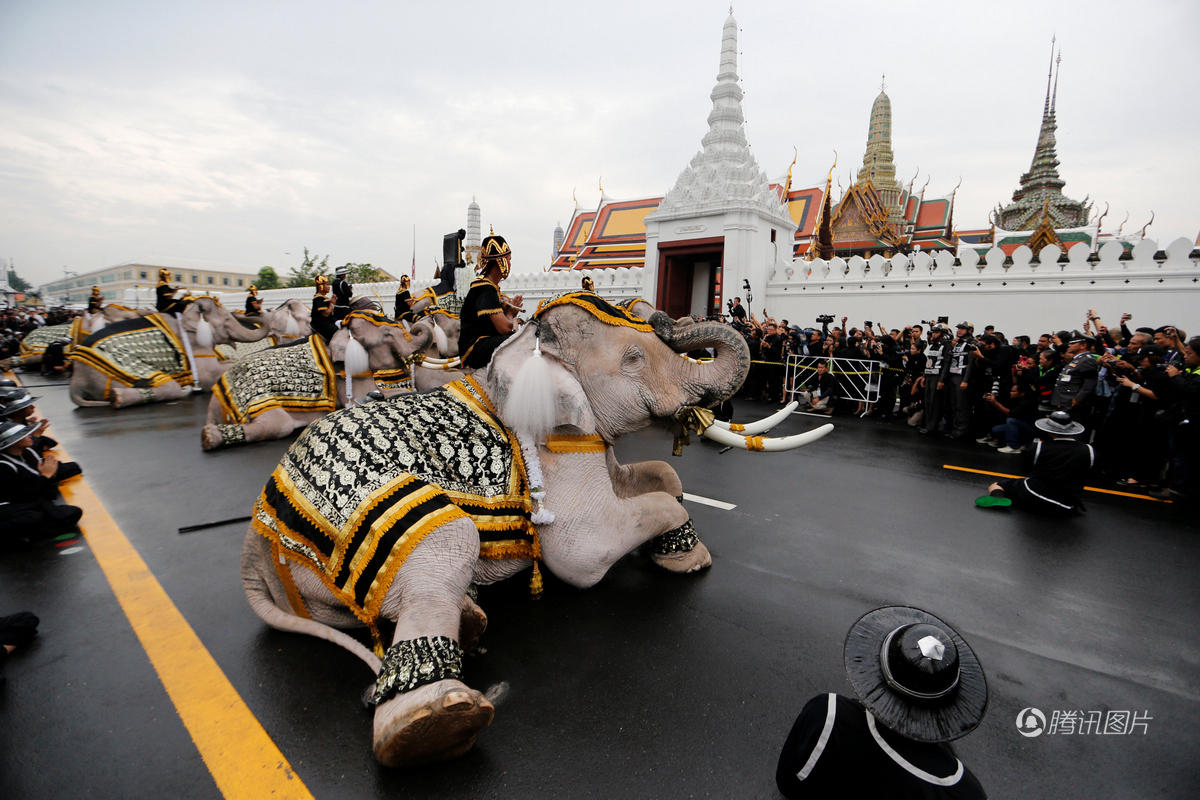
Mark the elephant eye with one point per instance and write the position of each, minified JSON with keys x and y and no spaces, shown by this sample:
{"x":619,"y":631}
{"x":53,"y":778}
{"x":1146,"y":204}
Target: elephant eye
{"x":633,"y":360}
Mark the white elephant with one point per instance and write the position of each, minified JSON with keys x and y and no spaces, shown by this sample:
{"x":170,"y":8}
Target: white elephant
{"x":272,"y":393}
{"x":145,"y":359}
{"x":390,"y":510}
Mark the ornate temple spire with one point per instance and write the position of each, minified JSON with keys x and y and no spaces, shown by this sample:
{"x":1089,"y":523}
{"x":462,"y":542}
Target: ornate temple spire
{"x":878,"y":165}
{"x":1042,"y":181}
{"x":724,"y":173}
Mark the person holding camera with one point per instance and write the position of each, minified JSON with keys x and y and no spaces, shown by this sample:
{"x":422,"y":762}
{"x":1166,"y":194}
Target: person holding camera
{"x":937,"y":367}
{"x":959,"y":374}
{"x":1077,"y":382}
{"x":736,"y":311}
{"x":1183,"y":420}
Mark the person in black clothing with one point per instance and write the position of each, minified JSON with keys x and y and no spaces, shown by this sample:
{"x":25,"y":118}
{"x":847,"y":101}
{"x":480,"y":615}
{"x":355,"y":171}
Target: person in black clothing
{"x":321,"y":319}
{"x":27,"y":493}
{"x":937,"y":368}
{"x":487,"y":318}
{"x":1059,"y":468}
{"x":1183,"y":420}
{"x":819,"y":390}
{"x":253,"y":302}
{"x":164,"y":295}
{"x":737,"y":311}
{"x":1077,"y":380}
{"x":772,"y":356}
{"x":404,"y":300}
{"x":16,"y":405}
{"x":342,"y":292}
{"x":919,"y":686}
{"x":95,"y":301}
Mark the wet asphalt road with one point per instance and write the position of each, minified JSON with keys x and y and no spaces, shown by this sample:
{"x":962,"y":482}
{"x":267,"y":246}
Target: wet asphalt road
{"x":648,"y":685}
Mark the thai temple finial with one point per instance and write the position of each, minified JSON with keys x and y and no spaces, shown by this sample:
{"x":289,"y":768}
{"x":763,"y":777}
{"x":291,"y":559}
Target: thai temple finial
{"x":1099,"y":220}
{"x":879,"y":167}
{"x":787,"y":186}
{"x":1121,"y":227}
{"x":1042,"y":181}
{"x":1148,"y":224}
{"x":724,"y":174}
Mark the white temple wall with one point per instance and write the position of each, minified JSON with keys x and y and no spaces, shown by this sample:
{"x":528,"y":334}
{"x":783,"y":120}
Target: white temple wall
{"x":1026,"y":298}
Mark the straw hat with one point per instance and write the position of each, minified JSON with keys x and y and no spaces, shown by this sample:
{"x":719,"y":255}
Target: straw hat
{"x":13,"y":432}
{"x":916,"y":674}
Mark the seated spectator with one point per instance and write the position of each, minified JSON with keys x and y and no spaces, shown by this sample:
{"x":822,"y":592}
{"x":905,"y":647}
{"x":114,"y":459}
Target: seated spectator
{"x":919,"y":686}
{"x":818,"y":390}
{"x":16,"y":405}
{"x":1059,"y":468}
{"x":27,"y":492}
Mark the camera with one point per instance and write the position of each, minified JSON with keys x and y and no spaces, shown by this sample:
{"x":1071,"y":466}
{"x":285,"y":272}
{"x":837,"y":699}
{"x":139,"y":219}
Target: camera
{"x":825,"y":319}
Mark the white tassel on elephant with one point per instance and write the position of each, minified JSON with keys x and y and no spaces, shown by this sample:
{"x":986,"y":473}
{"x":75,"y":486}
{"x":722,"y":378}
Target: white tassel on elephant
{"x":439,"y":339}
{"x":204,"y":333}
{"x":530,"y":407}
{"x":357,"y":362}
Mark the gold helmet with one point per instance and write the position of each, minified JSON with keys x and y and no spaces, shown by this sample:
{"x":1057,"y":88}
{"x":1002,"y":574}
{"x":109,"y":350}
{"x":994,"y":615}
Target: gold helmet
{"x":494,"y":251}
{"x":588,"y":284}
{"x":322,"y":284}
{"x":253,"y":290}
{"x":404,"y":282}
{"x":96,"y":291}
{"x":164,"y":275}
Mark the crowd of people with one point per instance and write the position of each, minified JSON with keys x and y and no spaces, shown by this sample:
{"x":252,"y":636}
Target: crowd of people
{"x":17,"y":322}
{"x":1135,"y":391}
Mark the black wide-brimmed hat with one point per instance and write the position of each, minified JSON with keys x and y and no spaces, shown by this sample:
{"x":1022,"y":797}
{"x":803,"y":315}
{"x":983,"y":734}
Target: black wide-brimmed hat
{"x":13,"y":399}
{"x":1059,"y":423}
{"x":915,"y":674}
{"x":13,"y":432}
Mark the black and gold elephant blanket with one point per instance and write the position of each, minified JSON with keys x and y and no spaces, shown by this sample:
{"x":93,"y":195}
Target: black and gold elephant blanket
{"x":362,"y":487}
{"x":143,"y":352}
{"x":38,"y":339}
{"x":297,"y":376}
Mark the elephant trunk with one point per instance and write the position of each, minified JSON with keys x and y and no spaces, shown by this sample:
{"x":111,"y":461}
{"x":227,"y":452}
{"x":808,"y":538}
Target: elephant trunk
{"x":239,"y":333}
{"x":708,"y":382}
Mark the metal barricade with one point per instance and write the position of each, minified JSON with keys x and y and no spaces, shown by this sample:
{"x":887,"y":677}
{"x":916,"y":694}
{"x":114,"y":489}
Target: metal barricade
{"x":858,"y":379}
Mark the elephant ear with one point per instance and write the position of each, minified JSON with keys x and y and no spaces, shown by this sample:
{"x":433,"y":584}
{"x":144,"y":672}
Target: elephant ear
{"x":542,"y":394}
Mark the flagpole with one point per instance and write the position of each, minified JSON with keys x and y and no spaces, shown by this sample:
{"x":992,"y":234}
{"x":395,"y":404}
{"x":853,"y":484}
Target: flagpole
{"x":412,"y":273}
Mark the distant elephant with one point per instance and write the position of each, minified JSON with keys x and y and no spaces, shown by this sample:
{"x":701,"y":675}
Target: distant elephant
{"x":144,"y":360}
{"x":270,"y":394}
{"x":390,"y":510}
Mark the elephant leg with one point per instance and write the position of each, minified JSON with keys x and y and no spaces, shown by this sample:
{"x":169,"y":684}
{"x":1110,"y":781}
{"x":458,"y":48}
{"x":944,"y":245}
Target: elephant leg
{"x":679,"y":549}
{"x":275,"y":423}
{"x":433,"y":715}
{"x":472,"y":623}
{"x":126,"y":396}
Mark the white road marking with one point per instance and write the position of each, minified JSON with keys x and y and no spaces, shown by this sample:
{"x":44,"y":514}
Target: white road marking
{"x":695,"y":498}
{"x":70,"y":551}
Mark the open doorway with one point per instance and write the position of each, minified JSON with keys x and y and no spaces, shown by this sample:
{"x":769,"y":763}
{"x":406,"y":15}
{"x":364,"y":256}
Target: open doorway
{"x":690,"y":277}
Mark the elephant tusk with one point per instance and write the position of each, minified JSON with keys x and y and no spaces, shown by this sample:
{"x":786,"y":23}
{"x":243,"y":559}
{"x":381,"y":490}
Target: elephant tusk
{"x":766,"y":443}
{"x":441,"y":363}
{"x":764,"y":424}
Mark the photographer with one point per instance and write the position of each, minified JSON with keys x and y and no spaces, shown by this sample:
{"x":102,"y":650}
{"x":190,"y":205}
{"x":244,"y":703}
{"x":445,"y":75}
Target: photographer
{"x":1132,"y":441}
{"x":961,"y":370}
{"x":736,"y":312}
{"x":1183,"y":392}
{"x":937,"y":367}
{"x":1077,"y":381}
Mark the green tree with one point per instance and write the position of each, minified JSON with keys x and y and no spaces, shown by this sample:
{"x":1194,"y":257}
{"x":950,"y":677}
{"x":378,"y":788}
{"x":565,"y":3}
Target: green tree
{"x":17,"y":282}
{"x":309,"y":269}
{"x":364,"y":273}
{"x":267,"y":278}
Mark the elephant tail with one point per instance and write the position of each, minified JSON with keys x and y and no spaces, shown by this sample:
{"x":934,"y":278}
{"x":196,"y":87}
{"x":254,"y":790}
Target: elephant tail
{"x":255,"y":562}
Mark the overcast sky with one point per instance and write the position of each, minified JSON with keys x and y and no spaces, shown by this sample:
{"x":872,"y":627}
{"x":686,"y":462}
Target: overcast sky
{"x":238,"y":133}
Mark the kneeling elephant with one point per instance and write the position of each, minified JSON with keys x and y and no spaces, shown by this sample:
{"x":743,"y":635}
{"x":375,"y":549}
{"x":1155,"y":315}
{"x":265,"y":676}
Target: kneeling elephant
{"x":389,"y":511}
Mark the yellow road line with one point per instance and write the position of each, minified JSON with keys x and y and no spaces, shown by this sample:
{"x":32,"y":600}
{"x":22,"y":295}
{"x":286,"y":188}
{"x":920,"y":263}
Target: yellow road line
{"x":238,"y":752}
{"x":1087,"y":488}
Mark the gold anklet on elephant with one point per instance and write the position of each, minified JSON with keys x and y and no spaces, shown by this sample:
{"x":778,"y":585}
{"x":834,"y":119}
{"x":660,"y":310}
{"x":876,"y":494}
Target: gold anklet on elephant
{"x":231,"y":435}
{"x":415,"y":662}
{"x":680,"y":540}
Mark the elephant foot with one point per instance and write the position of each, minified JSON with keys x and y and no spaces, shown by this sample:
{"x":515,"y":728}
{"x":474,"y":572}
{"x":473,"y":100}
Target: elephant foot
{"x":680,"y":550}
{"x":213,"y":437}
{"x":694,"y":560}
{"x":434,"y":722}
{"x":472,"y":623}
